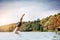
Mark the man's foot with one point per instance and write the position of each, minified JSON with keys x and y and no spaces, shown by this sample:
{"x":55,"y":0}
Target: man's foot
{"x":17,"y":32}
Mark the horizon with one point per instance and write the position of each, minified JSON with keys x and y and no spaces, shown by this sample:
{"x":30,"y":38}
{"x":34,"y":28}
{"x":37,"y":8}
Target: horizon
{"x":11,"y":10}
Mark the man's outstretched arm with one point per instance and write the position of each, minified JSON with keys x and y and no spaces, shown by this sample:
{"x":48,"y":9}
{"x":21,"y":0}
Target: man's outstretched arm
{"x":22,"y":18}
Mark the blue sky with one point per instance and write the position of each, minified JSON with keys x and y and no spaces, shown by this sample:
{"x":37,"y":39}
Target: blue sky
{"x":11,"y":10}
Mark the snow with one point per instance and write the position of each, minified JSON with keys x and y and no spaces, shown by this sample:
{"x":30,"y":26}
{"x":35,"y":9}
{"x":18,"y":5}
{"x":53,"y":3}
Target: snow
{"x":27,"y":36}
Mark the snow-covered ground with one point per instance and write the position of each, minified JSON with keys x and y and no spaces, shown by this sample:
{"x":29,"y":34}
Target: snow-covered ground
{"x":27,"y":36}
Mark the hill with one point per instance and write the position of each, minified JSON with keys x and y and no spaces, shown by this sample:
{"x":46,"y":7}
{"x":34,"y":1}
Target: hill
{"x":7,"y":28}
{"x":51,"y":23}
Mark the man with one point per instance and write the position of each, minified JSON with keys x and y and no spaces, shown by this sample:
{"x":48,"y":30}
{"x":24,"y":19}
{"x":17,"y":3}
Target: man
{"x":19,"y":24}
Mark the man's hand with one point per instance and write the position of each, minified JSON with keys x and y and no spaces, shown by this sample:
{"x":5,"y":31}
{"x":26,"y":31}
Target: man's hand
{"x":23,"y":14}
{"x":21,"y":18}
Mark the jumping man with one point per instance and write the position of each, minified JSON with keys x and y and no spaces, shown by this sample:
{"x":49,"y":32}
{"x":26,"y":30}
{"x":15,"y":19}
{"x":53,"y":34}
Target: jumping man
{"x":19,"y":24}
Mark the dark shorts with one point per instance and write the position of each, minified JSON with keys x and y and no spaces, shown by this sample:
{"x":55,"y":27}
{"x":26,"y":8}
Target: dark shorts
{"x":58,"y":29}
{"x":19,"y":24}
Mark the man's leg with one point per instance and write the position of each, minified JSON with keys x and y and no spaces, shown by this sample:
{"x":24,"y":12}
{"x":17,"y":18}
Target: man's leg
{"x":16,"y":29}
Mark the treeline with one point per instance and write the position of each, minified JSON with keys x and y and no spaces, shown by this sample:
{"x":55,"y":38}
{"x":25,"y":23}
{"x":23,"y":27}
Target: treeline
{"x":48,"y":24}
{"x":32,"y":26}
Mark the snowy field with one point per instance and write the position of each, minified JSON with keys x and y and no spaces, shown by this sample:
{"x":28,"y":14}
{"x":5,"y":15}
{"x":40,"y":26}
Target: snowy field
{"x":27,"y":36}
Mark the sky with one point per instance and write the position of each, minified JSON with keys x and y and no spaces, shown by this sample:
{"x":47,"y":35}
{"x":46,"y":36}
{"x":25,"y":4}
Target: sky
{"x":12,"y":10}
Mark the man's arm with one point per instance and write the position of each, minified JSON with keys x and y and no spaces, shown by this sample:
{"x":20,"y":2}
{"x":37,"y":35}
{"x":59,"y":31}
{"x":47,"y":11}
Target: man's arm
{"x":22,"y":18}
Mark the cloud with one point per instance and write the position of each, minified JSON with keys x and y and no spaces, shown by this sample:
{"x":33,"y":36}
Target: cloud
{"x":34,"y":9}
